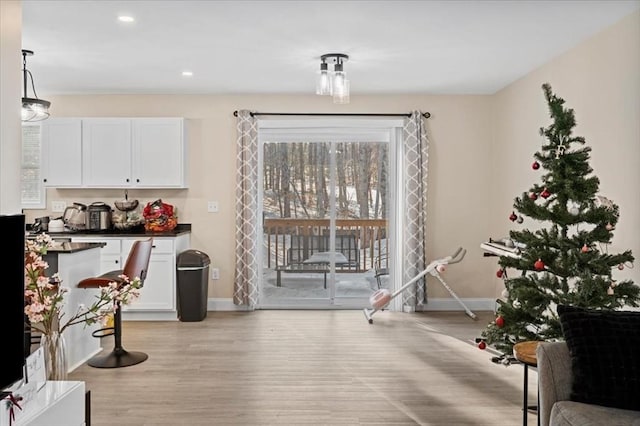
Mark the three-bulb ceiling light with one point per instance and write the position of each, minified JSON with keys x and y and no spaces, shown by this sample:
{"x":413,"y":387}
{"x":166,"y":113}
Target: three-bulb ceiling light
{"x":334,"y":82}
{"x":33,"y":109}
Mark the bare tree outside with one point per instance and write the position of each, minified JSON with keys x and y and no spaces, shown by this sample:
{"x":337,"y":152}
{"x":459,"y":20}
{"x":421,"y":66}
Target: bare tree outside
{"x":296,"y":179}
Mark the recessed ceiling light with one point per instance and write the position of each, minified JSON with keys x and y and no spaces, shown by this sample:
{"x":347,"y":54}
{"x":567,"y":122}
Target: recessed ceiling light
{"x":187,"y":74}
{"x":125,"y":18}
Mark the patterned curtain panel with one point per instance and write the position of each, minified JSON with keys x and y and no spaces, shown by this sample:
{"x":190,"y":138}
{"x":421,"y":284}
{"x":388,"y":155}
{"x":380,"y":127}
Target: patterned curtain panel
{"x":416,"y":157}
{"x":245,"y":290}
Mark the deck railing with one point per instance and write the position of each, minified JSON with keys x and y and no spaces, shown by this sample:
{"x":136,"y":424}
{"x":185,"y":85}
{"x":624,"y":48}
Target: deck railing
{"x":282,"y":239}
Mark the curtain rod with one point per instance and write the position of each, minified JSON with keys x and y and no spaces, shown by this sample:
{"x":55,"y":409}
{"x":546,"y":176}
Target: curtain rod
{"x":253,"y":114}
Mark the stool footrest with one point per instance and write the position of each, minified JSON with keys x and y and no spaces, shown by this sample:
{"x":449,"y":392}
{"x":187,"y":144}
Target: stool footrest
{"x":104,"y":332}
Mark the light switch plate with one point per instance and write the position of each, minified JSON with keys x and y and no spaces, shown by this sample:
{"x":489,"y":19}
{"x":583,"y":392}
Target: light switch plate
{"x":215,"y":273}
{"x":58,"y":206}
{"x":212,"y":207}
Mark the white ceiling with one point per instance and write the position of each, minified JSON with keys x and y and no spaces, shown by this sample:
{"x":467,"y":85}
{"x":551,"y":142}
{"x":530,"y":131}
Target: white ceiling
{"x":236,"y":47}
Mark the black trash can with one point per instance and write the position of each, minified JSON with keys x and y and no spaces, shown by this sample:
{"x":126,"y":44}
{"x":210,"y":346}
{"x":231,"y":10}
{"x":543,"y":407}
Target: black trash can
{"x":193,"y":285}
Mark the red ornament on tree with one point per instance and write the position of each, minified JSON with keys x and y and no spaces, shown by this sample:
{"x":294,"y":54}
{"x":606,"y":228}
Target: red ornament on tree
{"x":500,"y":322}
{"x":499,"y":273}
{"x":585,"y":249}
{"x":535,"y":165}
{"x":545,"y":193}
{"x":513,"y":217}
{"x":533,"y":196}
{"x":539,"y":265}
{"x":621,"y":266}
{"x":482,"y":345}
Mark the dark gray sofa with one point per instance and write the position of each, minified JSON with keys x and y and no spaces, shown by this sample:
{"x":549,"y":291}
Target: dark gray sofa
{"x":554,"y":386}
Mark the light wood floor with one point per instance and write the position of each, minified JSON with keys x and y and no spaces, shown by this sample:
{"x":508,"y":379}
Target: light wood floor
{"x":308,"y":368}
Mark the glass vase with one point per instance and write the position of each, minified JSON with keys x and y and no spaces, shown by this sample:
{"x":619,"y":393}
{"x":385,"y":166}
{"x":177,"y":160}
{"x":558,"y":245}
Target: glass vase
{"x":55,"y":356}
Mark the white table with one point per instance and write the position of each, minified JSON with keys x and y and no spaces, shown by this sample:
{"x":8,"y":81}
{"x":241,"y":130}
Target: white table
{"x":54,"y":404}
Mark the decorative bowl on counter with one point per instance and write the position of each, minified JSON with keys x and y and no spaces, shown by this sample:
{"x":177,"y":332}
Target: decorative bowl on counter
{"x":128,"y":220}
{"x":126,"y":205}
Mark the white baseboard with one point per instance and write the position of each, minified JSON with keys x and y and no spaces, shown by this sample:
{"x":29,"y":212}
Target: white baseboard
{"x":223,"y":304}
{"x":435,"y":304}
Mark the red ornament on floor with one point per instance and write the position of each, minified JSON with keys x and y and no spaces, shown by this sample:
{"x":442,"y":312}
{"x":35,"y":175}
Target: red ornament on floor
{"x":482,"y":345}
{"x":500,"y":322}
{"x":539,"y":265}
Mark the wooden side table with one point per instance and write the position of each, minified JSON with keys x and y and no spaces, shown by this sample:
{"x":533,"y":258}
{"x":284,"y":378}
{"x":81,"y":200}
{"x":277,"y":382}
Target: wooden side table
{"x":525,"y":352}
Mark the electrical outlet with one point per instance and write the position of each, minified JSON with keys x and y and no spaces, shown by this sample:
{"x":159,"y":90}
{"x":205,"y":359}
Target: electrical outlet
{"x":215,"y":273}
{"x":212,"y":207}
{"x":58,"y":206}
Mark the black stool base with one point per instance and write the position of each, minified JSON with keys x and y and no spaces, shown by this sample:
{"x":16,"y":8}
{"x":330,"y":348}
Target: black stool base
{"x":117,"y":358}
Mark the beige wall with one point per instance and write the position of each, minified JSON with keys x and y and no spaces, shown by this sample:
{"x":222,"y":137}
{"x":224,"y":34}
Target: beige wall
{"x":458,"y":182}
{"x":600,"y":80}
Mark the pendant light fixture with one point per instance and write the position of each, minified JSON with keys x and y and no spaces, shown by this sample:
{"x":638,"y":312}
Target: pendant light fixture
{"x":33,"y":109}
{"x":333,"y":82}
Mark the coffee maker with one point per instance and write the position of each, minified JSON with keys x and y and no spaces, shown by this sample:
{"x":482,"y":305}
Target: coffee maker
{"x":40,"y":224}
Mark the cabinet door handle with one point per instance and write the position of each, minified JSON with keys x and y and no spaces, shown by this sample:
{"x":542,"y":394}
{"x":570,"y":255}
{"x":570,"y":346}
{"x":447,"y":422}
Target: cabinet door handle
{"x":117,"y":261}
{"x":127,"y":180}
{"x":137,"y":180}
{"x":44,"y":180}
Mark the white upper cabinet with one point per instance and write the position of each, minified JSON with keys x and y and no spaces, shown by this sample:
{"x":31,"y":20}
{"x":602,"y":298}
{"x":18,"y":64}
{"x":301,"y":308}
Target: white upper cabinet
{"x":106,"y":159}
{"x":115,"y":153}
{"x":62,"y":152}
{"x":159,"y":153}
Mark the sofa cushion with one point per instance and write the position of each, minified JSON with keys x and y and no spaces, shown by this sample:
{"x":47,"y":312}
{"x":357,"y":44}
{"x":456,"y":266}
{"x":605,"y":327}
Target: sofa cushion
{"x":571,"y":413}
{"x":604,"y":359}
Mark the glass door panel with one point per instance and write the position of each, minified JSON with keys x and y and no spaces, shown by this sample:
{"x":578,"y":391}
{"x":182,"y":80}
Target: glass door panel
{"x":324,"y":209}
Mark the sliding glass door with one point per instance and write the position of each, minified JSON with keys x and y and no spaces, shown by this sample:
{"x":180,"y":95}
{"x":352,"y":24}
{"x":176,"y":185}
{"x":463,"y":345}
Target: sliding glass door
{"x":326,"y":208}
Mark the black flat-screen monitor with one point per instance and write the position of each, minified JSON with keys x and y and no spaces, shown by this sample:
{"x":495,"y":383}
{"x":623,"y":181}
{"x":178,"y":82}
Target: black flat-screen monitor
{"x":12,"y":320}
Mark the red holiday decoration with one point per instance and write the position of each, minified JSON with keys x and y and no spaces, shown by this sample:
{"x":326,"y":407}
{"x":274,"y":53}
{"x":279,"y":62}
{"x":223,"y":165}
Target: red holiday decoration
{"x":621,"y":266}
{"x":545,"y":193}
{"x":609,"y":227}
{"x":482,"y":345}
{"x":500,"y":322}
{"x":585,"y":249}
{"x":512,"y":217}
{"x":539,"y":265}
{"x":533,"y":196}
{"x":535,"y":165}
{"x":499,"y":273}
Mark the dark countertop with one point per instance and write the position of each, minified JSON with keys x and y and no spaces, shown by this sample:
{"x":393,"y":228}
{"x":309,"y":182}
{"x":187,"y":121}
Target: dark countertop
{"x":65,"y":247}
{"x":182,"y":228}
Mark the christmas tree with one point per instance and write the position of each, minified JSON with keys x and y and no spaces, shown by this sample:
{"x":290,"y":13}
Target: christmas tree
{"x":565,"y":260}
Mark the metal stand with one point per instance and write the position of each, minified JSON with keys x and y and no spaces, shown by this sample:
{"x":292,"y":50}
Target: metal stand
{"x":525,"y":400}
{"x":118,"y":357}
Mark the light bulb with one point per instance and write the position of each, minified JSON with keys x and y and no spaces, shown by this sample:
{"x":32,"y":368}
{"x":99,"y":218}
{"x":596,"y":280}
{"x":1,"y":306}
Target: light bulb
{"x":341,"y":96}
{"x":323,"y":81}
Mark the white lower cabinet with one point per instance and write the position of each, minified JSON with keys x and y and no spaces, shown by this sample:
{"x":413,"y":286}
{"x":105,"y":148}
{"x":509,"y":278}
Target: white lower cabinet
{"x":158,"y":295}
